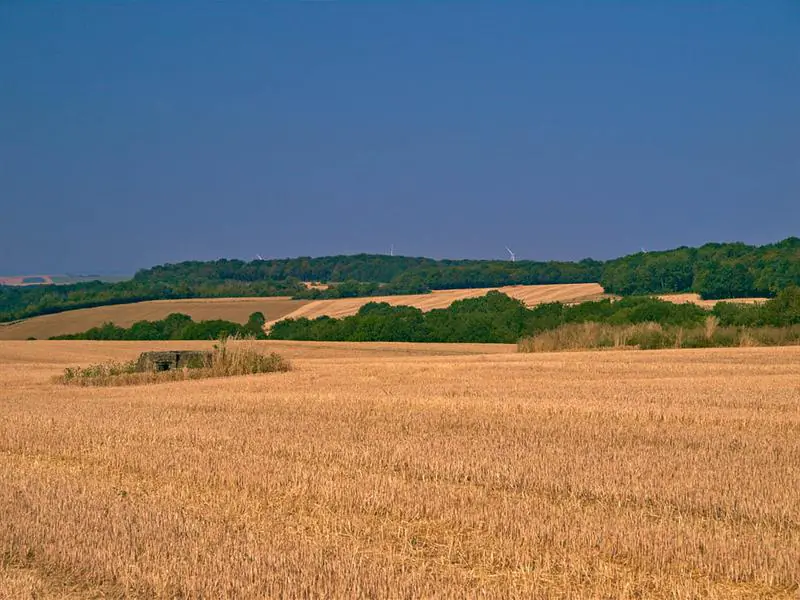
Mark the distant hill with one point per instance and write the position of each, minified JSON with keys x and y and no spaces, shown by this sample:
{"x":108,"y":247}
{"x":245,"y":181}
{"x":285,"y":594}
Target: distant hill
{"x":15,"y":280}
{"x":531,"y":295}
{"x":236,"y":310}
{"x":26,"y":280}
{"x":714,"y":271}
{"x":276,"y":309}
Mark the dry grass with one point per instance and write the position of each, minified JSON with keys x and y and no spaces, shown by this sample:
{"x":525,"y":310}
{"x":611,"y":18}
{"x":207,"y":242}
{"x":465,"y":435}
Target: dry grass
{"x":653,"y":336}
{"x":586,"y":336}
{"x":393,"y":474}
{"x":124,"y":315}
{"x":530,"y":294}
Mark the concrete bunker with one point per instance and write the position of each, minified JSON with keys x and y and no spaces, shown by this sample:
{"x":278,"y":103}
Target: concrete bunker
{"x":172,"y":360}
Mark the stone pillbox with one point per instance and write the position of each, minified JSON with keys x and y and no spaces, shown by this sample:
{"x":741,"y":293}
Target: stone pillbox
{"x":173,"y":359}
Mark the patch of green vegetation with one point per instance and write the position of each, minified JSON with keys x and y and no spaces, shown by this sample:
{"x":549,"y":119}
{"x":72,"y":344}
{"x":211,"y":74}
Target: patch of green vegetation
{"x":229,"y":357}
{"x":714,"y":270}
{"x":99,"y":371}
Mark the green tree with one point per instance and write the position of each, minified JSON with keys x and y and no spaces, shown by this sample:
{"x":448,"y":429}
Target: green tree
{"x":255,"y":325}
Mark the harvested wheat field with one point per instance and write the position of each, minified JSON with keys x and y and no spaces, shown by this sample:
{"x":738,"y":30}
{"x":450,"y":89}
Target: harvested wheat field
{"x":529,"y":294}
{"x":25,"y":280}
{"x":275,"y":309}
{"x":696,"y":299}
{"x":402,"y":470}
{"x":125,"y":315}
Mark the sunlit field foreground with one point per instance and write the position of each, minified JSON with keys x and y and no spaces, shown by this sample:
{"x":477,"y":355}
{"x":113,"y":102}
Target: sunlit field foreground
{"x":392,"y":470}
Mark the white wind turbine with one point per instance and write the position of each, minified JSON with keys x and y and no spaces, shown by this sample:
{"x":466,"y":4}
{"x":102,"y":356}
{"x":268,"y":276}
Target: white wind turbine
{"x":513,"y":256}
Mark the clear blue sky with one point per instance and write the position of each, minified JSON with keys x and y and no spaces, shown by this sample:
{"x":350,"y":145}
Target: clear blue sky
{"x":137,"y":133}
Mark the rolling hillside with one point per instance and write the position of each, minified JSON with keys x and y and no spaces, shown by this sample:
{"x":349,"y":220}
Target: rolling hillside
{"x":124,"y":315}
{"x":714,"y":271}
{"x":278,"y":308}
{"x":26,"y":280}
{"x":275,"y":309}
{"x":530,"y":294}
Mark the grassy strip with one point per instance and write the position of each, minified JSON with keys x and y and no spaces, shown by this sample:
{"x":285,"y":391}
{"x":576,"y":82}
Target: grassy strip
{"x":653,"y":336}
{"x":228,"y":359}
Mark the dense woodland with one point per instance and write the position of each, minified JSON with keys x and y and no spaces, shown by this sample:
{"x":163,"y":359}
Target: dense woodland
{"x":494,"y":317}
{"x":713,"y":270}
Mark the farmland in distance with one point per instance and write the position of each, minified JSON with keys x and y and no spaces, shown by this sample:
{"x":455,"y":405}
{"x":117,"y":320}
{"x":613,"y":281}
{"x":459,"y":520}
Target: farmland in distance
{"x":277,"y":308}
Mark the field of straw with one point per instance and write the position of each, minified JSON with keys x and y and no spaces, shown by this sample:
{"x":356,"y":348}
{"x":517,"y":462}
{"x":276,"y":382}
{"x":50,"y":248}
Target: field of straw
{"x":275,"y":309}
{"x":404,"y":471}
{"x":125,"y":315}
{"x":529,"y":294}
{"x":696,"y":299}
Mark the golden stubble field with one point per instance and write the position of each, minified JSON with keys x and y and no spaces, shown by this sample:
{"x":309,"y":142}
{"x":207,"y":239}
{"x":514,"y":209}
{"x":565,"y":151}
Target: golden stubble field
{"x":125,"y":315}
{"x":396,"y":470}
{"x":531,"y":295}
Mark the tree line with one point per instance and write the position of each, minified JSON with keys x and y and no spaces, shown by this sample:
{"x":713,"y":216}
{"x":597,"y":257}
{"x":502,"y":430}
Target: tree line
{"x":713,"y":270}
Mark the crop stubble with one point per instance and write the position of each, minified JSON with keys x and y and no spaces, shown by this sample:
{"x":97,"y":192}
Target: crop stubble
{"x":398,"y":470}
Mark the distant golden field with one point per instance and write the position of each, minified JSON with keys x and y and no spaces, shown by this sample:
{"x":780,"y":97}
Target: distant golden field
{"x":531,"y":295}
{"x":696,"y":299}
{"x":402,"y":470}
{"x":125,"y":315}
{"x":275,"y":309}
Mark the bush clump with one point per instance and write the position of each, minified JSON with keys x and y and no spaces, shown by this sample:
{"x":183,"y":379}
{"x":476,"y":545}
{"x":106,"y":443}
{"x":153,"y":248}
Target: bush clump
{"x":229,"y":358}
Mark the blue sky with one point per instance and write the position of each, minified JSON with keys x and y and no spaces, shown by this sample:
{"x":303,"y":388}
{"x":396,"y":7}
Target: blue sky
{"x":138,"y":133}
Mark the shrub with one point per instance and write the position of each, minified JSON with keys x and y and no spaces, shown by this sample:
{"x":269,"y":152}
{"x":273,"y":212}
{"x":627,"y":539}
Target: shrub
{"x":651,"y":336}
{"x":99,"y":372}
{"x":241,"y":357}
{"x":230,"y":357}
{"x":572,"y":336}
